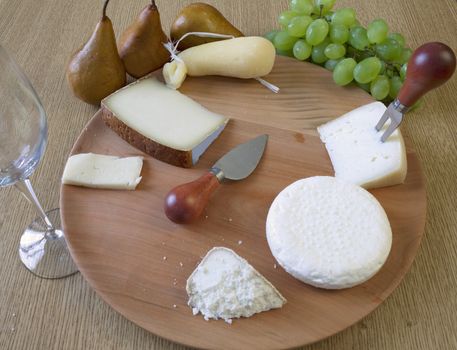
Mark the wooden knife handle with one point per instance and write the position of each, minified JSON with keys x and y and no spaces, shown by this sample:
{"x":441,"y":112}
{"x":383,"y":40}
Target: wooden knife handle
{"x":430,"y":66}
{"x":185,"y":203}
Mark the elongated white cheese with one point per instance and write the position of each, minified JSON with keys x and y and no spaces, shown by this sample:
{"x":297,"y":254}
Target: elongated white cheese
{"x":226,"y":286}
{"x":162,"y":122}
{"x":356,"y":150}
{"x":328,"y":233}
{"x":101,"y":171}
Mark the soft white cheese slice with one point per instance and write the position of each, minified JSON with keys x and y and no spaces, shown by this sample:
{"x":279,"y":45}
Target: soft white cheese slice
{"x":328,"y":233}
{"x":166,"y":116}
{"x":356,"y":150}
{"x":101,"y":171}
{"x":226,"y":286}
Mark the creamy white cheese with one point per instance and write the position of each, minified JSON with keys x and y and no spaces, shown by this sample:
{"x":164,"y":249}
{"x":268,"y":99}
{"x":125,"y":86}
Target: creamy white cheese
{"x":225,"y":286}
{"x":328,"y":233}
{"x":101,"y":171}
{"x":356,"y":150}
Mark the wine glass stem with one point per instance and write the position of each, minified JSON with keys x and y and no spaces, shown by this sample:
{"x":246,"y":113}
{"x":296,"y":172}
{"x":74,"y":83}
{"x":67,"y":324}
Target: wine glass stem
{"x":25,"y":187}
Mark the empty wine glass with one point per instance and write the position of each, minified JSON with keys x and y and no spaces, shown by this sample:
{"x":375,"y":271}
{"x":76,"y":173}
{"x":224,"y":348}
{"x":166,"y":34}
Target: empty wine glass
{"x":23,"y":135}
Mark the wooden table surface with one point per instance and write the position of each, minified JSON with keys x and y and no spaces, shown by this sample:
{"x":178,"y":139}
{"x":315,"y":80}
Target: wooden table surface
{"x":66,"y":314}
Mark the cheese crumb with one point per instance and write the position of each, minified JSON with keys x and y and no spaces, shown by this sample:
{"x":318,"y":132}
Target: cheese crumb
{"x":164,"y":258}
{"x":240,"y":242}
{"x":174,"y":305}
{"x":275,"y":266}
{"x":181,"y":264}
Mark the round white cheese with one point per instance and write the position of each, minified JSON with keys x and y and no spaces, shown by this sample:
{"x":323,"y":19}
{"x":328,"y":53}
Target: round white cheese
{"x":328,"y":233}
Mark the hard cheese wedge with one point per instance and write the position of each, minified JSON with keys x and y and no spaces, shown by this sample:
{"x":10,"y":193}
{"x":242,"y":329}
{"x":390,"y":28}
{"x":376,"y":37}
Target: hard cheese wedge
{"x":225,"y":286}
{"x":356,"y":150}
{"x":162,"y":122}
{"x":100,"y":171}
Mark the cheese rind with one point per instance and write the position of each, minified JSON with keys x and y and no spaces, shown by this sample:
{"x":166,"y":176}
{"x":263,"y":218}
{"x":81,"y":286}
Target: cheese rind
{"x":102,"y":171}
{"x":162,"y":122}
{"x":328,"y":233}
{"x":356,"y":150}
{"x":226,"y":286}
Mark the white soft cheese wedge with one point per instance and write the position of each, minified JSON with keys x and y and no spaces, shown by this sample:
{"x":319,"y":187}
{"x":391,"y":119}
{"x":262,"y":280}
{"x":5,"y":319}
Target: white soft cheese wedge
{"x":356,"y":150}
{"x":101,"y":171}
{"x":225,"y":286}
{"x":328,"y":233}
{"x":162,"y":122}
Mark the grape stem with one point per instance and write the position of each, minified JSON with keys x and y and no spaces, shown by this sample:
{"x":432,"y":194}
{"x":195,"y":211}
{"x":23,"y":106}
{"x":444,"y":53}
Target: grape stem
{"x":392,"y":67}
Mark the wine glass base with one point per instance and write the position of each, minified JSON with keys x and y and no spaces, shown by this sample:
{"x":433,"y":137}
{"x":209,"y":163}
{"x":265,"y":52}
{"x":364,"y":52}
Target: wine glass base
{"x":45,"y":253}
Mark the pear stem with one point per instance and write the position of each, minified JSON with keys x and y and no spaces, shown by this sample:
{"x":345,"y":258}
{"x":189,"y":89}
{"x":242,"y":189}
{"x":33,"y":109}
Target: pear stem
{"x":153,"y":4}
{"x":105,"y":5}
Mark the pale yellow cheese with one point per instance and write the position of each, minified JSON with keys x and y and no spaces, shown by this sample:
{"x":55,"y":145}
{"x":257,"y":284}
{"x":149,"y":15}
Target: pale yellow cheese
{"x":102,"y":171}
{"x":244,"y":57}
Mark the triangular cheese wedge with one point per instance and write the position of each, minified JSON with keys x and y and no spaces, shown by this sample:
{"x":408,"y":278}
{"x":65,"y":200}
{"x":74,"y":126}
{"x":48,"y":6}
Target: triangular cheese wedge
{"x":357,"y":153}
{"x":226,"y":286}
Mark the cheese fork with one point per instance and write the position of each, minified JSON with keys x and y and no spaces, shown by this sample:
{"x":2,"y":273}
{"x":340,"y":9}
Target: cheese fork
{"x":430,"y":66}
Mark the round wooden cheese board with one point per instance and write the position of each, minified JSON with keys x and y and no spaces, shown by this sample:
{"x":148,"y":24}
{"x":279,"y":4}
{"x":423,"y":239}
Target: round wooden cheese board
{"x":138,"y":261}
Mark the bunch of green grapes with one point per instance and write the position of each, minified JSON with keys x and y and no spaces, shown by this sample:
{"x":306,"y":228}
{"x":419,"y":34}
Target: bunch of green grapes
{"x":372,"y":57}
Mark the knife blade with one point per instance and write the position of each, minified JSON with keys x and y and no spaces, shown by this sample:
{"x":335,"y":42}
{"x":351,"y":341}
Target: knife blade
{"x":185,"y":203}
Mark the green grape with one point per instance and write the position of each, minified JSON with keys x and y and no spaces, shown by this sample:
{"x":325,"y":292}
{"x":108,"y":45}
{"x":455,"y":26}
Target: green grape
{"x":283,"y":41}
{"x":331,"y":64}
{"x":365,"y":87}
{"x":358,"y":38}
{"x":377,"y":31}
{"x":271,"y":35}
{"x":383,"y":67}
{"x":339,"y":33}
{"x":367,"y":70}
{"x":326,"y":6}
{"x":335,"y":51}
{"x":318,"y":53}
{"x":344,"y":16}
{"x":285,"y":18}
{"x":416,"y":105}
{"x":298,"y":25}
{"x":405,"y":55}
{"x":317,"y":31}
{"x":328,"y":16}
{"x":355,"y":24}
{"x":398,"y":38}
{"x":303,"y":7}
{"x":288,"y":53}
{"x":343,"y":72}
{"x":389,"y":50}
{"x":403,"y":71}
{"x":302,"y":50}
{"x":379,"y":87}
{"x":395,"y":85}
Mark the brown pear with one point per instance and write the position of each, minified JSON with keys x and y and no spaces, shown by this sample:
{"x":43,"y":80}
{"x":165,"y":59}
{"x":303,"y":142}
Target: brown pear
{"x":96,"y":70}
{"x":200,"y":17}
{"x":141,"y":45}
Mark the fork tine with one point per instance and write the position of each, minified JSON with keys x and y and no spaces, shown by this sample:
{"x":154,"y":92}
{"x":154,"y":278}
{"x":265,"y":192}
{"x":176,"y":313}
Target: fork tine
{"x":389,"y":131}
{"x":382,"y":121}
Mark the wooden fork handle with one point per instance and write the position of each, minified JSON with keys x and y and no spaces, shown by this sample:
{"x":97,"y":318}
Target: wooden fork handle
{"x":430,"y":66}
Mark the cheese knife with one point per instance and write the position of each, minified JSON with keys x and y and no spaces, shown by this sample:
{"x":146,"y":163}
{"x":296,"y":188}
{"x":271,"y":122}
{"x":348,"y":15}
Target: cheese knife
{"x":430,"y":66}
{"x":185,"y":203}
